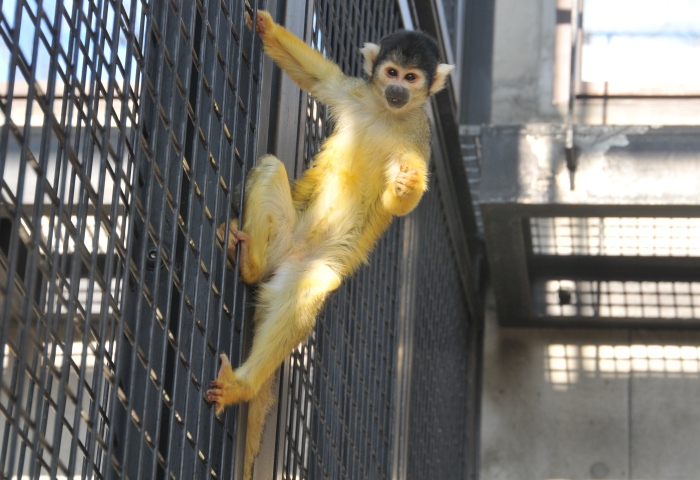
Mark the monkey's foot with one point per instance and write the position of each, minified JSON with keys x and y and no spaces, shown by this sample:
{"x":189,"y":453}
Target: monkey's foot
{"x":228,"y":389}
{"x":234,"y":237}
{"x":263,"y":21}
{"x":406,"y":181}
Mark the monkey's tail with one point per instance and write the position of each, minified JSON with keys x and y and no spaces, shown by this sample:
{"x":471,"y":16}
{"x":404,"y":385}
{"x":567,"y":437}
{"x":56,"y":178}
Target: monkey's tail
{"x":258,"y":407}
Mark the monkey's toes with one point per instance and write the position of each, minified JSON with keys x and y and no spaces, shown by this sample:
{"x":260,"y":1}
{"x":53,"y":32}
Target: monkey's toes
{"x":263,"y":22}
{"x":215,"y":397}
{"x":224,"y":362}
{"x":227,"y":389}
{"x":234,"y":237}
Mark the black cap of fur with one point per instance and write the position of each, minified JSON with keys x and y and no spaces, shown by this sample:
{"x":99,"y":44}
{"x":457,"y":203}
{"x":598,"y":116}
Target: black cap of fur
{"x":410,"y":48}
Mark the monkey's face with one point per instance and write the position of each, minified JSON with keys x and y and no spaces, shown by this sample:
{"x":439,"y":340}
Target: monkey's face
{"x":402,"y":87}
{"x":404,"y":70}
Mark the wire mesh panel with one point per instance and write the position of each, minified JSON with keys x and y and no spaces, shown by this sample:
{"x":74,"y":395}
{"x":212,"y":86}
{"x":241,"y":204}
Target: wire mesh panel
{"x":628,"y":236}
{"x":339,"y":407}
{"x":126,"y":127}
{"x":69,"y":83}
{"x":617,"y":299}
{"x":444,"y":357}
{"x":183,"y":306}
{"x":629,"y":291}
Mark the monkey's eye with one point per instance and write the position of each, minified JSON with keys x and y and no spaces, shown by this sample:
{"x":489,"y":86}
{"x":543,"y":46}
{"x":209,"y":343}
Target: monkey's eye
{"x":391,"y":72}
{"x":410,"y":77}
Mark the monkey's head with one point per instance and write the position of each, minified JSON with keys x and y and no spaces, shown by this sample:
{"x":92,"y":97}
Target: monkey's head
{"x":405,"y":68}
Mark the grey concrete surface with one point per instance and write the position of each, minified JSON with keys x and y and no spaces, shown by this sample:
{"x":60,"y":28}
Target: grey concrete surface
{"x":585,"y":404}
{"x":524,"y":66}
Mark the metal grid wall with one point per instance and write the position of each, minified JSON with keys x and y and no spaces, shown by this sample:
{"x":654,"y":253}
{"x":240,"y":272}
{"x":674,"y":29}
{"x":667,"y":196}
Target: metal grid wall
{"x":184,"y":306}
{"x":126,"y":127}
{"x":470,"y":144}
{"x":595,"y":256}
{"x":593,"y":239}
{"x":69,"y":96}
{"x":339,"y":386}
{"x":635,"y":236}
{"x":617,"y":299}
{"x":444,"y":356}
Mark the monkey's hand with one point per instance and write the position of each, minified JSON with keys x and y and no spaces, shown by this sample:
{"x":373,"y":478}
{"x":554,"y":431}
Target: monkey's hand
{"x":406,"y":182}
{"x":306,"y":66}
{"x":403,"y":194}
{"x":228,"y":389}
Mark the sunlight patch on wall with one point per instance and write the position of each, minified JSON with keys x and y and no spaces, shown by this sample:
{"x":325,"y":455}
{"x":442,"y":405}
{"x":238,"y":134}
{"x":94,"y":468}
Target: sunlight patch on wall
{"x":618,"y":299}
{"x":566,"y":364}
{"x":625,"y":236}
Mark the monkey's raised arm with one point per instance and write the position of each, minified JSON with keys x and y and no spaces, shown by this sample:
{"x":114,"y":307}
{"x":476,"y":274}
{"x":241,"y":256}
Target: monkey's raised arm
{"x":306,"y":66}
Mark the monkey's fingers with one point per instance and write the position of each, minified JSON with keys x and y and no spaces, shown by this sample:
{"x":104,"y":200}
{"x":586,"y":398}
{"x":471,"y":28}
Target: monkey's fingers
{"x":403,"y":190}
{"x":241,"y":236}
{"x":248,"y":20}
{"x":227,"y":388}
{"x":221,"y":229}
{"x":409,"y":177}
{"x":234,"y":236}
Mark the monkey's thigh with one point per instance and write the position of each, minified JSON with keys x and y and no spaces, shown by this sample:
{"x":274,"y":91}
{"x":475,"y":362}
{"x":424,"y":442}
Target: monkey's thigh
{"x":269,"y":215}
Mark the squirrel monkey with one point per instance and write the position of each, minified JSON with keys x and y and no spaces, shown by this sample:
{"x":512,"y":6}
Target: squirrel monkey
{"x":298,"y":242}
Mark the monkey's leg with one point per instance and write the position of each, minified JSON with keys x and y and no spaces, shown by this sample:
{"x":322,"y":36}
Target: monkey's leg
{"x":286,"y":312}
{"x":269,"y":219}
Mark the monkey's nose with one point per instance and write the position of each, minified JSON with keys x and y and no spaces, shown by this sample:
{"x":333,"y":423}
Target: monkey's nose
{"x":396,"y":96}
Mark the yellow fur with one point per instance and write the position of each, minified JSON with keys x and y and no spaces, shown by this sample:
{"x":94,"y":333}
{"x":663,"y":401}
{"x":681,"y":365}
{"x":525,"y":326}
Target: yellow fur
{"x":299,"y":243}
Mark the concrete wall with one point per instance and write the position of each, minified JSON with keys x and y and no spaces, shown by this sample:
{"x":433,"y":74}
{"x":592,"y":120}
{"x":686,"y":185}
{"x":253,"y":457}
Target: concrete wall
{"x":524,"y":71}
{"x":581,"y":404}
{"x":584,"y":404}
{"x":523,"y":63}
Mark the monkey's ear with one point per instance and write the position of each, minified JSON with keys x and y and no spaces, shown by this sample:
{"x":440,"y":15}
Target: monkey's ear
{"x":370,"y":52}
{"x":443,"y":70}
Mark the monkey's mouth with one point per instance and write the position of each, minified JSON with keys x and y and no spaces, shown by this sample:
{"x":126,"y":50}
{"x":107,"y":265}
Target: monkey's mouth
{"x":396,"y":96}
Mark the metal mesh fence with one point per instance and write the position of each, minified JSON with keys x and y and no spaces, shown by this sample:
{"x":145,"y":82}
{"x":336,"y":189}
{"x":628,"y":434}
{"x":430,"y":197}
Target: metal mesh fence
{"x":69,"y":84}
{"x":445,"y":341}
{"x":626,"y":291}
{"x":339,"y":406}
{"x":127,"y":127}
{"x":628,"y":236}
{"x":617,"y":299}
